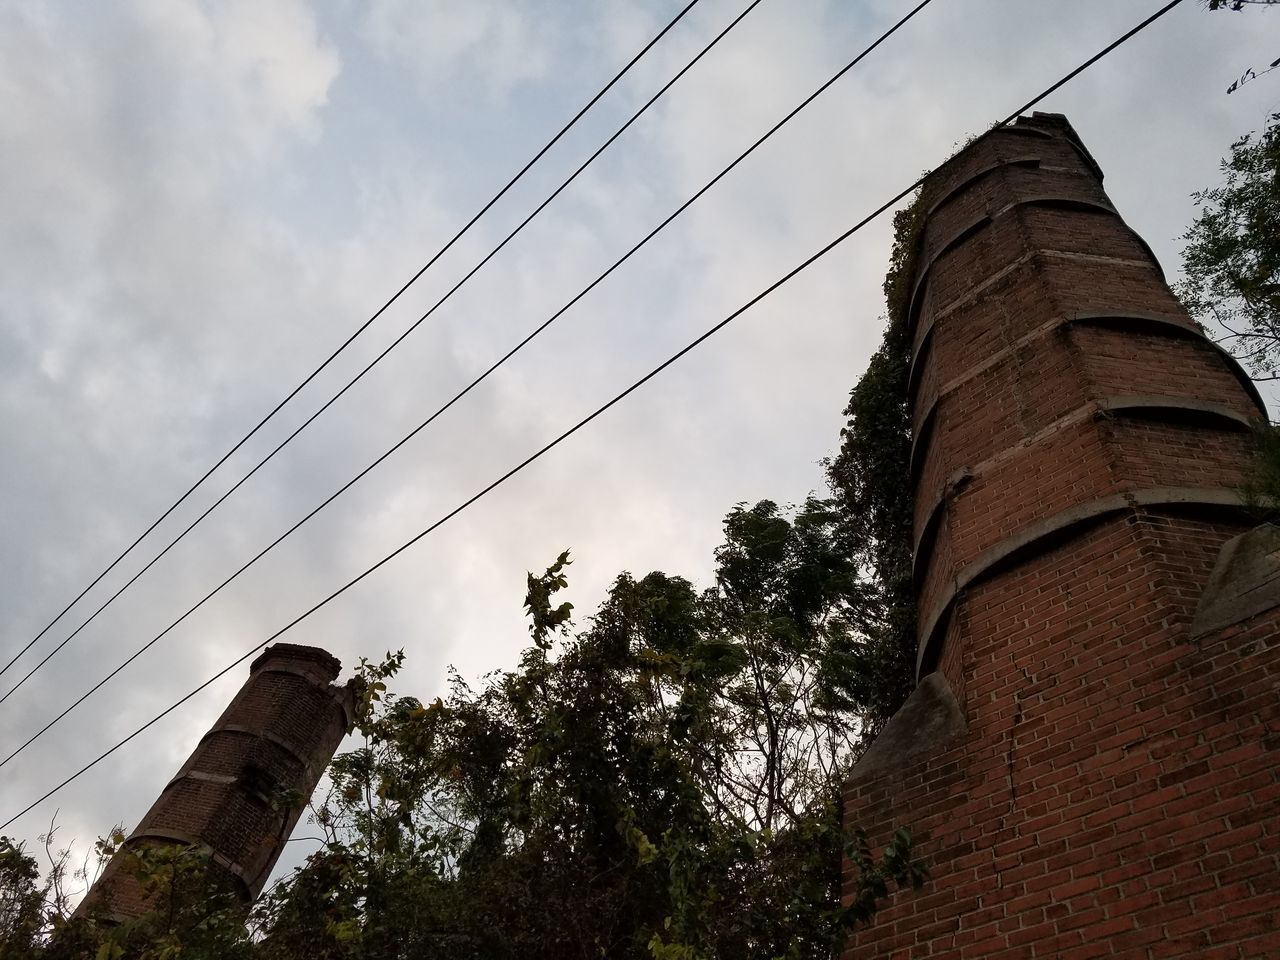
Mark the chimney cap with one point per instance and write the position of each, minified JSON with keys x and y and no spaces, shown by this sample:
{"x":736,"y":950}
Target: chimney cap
{"x":282,"y":653}
{"x":1058,"y":124}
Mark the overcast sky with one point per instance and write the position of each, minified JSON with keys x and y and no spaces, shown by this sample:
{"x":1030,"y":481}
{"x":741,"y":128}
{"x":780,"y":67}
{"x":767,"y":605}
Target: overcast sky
{"x":201,"y":201}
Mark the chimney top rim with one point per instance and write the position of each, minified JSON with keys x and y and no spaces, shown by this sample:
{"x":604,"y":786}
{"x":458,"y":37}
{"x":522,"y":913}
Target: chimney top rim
{"x":294,"y":652}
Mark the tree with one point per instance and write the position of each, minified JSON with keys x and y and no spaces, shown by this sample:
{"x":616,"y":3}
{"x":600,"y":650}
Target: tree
{"x":23,"y":907}
{"x":1231,"y":266}
{"x":1238,"y":5}
{"x":871,"y":478}
{"x":35,"y":908}
{"x":195,"y":913}
{"x":662,"y":783}
{"x":1232,"y":259}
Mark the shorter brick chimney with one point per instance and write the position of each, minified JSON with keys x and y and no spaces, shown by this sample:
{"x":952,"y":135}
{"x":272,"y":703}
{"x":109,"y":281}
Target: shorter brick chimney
{"x":276,"y":737}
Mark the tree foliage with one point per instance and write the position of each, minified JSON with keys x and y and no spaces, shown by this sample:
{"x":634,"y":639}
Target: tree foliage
{"x":661,"y":782}
{"x":872,"y":480}
{"x":1232,"y":258}
{"x":194,"y":913}
{"x":1238,"y":5}
{"x":1232,"y":282}
{"x":664,"y":782}
{"x":35,"y":903}
{"x":24,"y":898}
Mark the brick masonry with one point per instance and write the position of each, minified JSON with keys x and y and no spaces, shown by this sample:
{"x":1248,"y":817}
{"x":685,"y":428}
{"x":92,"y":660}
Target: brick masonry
{"x":1108,"y":781}
{"x":278,"y":734}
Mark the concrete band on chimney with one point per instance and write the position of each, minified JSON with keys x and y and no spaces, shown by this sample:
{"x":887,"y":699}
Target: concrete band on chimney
{"x":1091,"y":761}
{"x":983,"y":231}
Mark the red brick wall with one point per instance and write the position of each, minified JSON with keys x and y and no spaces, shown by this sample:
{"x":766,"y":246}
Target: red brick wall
{"x":1116,"y":787}
{"x":278,"y":733}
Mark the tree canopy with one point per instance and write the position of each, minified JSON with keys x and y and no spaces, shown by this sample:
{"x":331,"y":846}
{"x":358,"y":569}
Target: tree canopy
{"x":661,"y":782}
{"x":1238,"y":5}
{"x":1231,"y":261}
{"x":871,"y":480}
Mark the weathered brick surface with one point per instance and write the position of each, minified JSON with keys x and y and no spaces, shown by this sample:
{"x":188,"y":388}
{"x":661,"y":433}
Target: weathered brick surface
{"x":278,"y":734}
{"x":1133,"y":360}
{"x":1117,"y":791}
{"x":1021,"y":183}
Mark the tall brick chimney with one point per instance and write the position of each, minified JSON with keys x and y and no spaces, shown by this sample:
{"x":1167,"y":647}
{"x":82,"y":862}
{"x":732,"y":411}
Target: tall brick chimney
{"x":278,"y":734}
{"x":1091,"y":761}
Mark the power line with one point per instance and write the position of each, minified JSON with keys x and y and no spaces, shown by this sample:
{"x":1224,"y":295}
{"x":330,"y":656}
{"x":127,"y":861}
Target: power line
{"x":358,"y":331}
{"x":785,"y":278}
{"x":369,"y":366}
{"x":467,"y":389}
{"x":351,"y":383}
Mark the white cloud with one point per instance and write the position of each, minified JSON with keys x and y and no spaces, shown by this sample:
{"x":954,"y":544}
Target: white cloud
{"x":446,"y":44}
{"x":276,"y":60}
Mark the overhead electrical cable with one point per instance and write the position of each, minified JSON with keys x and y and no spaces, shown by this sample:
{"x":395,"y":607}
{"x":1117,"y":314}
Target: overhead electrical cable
{"x":462,"y":393}
{"x":781,"y":281}
{"x":358,"y":331}
{"x":359,"y":376}
{"x":373,"y":363}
